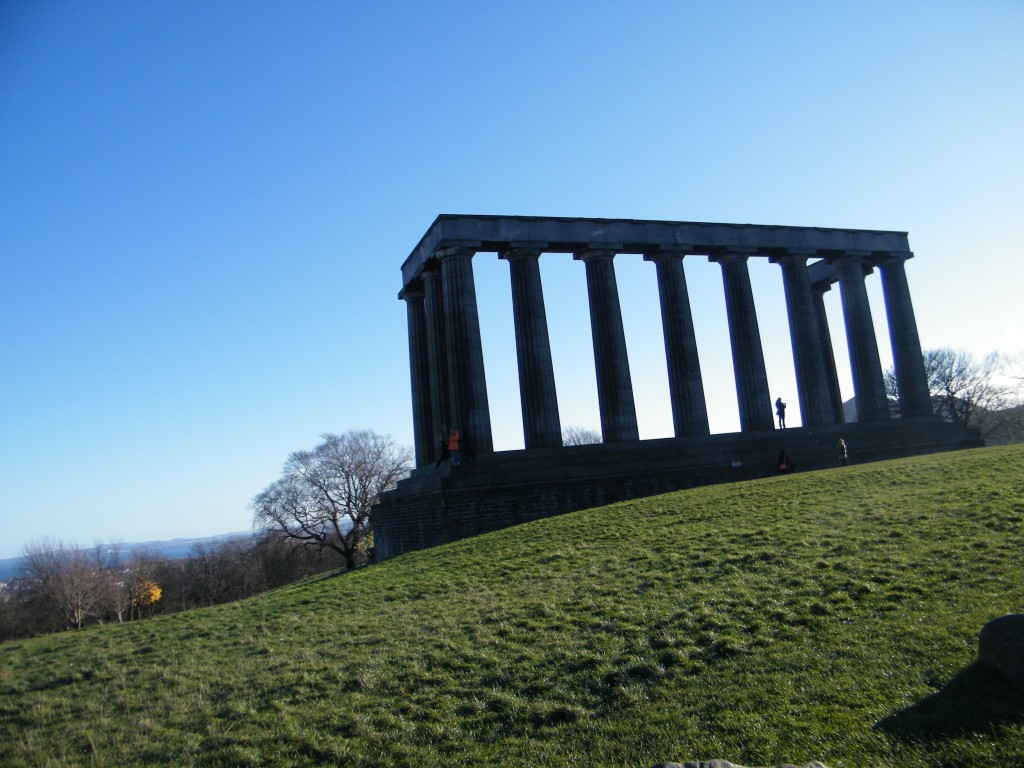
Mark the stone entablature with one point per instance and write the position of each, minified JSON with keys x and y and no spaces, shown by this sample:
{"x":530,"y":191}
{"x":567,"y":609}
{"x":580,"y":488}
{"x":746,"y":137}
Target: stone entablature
{"x":572,"y":235}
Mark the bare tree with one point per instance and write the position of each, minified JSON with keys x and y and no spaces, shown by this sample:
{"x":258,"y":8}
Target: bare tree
{"x":325,"y":496}
{"x":65,"y":580}
{"x":111,"y":573}
{"x":1007,"y":424}
{"x":963,"y":389}
{"x":576,"y":435}
{"x":208,"y":580}
{"x":281,"y":562}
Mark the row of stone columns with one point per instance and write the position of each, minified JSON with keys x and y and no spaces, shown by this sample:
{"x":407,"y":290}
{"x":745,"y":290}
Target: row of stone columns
{"x":446,"y":355}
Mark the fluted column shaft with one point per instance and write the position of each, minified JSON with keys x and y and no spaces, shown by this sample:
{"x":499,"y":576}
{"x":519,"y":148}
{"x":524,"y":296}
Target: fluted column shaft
{"x":614,"y":384}
{"x":468,"y":385}
{"x":866,"y":366}
{"x":908,"y":358}
{"x":831,"y":375}
{"x":755,"y":401}
{"x":808,"y":356}
{"x":437,"y":352}
{"x":419,"y":375}
{"x":686,"y":387}
{"x":541,"y":425}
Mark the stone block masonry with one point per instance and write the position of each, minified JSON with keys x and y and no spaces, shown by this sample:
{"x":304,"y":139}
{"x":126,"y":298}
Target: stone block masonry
{"x":437,"y":506}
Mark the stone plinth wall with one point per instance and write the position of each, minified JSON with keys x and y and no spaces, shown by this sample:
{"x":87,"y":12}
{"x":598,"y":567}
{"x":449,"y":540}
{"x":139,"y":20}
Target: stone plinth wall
{"x":435,"y":506}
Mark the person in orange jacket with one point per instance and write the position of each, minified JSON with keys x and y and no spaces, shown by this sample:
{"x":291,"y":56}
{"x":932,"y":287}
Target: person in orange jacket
{"x":453,"y":445}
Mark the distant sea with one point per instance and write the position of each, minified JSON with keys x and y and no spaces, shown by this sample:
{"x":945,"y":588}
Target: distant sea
{"x":173,"y":549}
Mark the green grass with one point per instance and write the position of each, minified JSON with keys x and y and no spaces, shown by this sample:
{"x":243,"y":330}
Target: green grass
{"x":826,"y":615}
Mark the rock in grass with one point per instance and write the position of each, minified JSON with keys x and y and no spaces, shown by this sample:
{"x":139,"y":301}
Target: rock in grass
{"x":727,"y":764}
{"x":1001,"y":646}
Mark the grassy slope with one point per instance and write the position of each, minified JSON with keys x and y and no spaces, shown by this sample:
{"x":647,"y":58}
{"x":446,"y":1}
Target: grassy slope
{"x":828,"y":615}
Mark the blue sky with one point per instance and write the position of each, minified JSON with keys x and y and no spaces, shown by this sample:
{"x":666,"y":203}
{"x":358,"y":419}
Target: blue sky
{"x":204,"y":208}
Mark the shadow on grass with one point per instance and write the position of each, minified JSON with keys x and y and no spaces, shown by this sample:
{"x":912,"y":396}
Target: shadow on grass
{"x":337,"y":573}
{"x":977,"y":700}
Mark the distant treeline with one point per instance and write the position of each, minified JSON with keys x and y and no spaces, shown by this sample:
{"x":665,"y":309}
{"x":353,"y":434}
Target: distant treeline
{"x":62,"y":587}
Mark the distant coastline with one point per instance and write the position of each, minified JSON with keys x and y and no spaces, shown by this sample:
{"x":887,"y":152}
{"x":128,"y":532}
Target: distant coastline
{"x":172,"y":549}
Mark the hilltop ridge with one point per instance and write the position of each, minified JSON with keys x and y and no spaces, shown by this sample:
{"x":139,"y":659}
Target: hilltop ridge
{"x":828,"y":615}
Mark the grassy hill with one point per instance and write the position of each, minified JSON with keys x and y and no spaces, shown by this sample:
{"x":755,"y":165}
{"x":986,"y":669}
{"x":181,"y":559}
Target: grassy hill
{"x":828,"y":615}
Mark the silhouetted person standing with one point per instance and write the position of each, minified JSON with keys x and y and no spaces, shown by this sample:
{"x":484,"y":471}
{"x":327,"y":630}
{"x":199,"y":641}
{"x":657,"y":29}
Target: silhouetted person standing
{"x":780,"y":411}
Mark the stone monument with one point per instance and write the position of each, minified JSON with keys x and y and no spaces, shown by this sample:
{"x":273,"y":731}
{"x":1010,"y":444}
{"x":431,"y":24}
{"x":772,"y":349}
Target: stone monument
{"x":439,"y":504}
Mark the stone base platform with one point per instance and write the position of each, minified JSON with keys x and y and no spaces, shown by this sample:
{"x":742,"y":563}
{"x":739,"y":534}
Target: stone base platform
{"x":505,"y":488}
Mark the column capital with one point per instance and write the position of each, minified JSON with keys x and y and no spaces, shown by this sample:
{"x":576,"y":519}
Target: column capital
{"x":787,"y":255}
{"x":732,"y":254}
{"x":515,"y":252}
{"x":668,"y":254}
{"x":597,"y":254}
{"x":892,"y":257}
{"x":838,"y":257}
{"x":841,"y":259}
{"x":457,"y":250}
{"x":413,"y":290}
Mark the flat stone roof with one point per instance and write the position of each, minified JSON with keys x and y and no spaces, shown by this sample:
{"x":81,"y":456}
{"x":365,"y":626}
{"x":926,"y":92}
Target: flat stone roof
{"x":573,"y":235}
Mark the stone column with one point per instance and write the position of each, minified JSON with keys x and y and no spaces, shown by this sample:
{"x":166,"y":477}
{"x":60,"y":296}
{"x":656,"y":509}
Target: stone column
{"x":614,"y":385}
{"x":808,"y":356}
{"x":832,"y":377}
{"x":541,"y":426}
{"x":419,"y":375}
{"x":686,"y":387}
{"x":868,"y":385}
{"x":755,"y":400}
{"x":908,"y":359}
{"x":467,"y":384}
{"x":437,"y":354}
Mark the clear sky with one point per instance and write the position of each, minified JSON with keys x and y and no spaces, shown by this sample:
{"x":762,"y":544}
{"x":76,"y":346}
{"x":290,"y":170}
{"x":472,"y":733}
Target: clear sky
{"x":204,"y":208}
